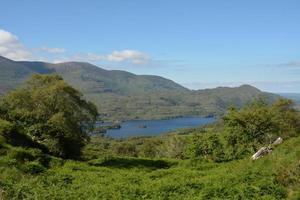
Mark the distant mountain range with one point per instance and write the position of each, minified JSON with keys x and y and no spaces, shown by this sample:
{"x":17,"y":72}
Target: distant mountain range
{"x":294,"y":96}
{"x":121,"y":95}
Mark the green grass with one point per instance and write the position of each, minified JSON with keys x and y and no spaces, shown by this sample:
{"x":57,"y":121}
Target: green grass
{"x":276,"y":176}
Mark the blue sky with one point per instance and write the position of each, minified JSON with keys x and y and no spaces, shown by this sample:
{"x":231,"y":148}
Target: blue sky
{"x":199,"y":44}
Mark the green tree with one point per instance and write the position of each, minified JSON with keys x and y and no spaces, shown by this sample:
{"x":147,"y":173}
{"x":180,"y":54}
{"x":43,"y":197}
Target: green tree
{"x":206,"y":146}
{"x":259,"y":124}
{"x":51,"y":113}
{"x":286,"y":118}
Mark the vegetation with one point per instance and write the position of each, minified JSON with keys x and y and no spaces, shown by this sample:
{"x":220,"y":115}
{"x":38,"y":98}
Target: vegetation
{"x":121,"y":95}
{"x":49,"y":112}
{"x":211,"y":162}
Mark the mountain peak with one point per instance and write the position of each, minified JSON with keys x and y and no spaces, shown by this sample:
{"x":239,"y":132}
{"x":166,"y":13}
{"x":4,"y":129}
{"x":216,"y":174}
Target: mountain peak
{"x":4,"y":59}
{"x":123,"y":95}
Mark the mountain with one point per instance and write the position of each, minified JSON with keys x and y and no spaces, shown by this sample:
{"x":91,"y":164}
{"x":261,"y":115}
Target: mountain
{"x":294,"y":96}
{"x":122,"y":95}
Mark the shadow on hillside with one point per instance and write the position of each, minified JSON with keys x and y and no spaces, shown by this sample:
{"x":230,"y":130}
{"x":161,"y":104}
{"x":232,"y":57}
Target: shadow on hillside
{"x":118,"y":162}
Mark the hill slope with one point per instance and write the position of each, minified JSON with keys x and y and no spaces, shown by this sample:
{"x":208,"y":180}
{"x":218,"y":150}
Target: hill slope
{"x":275,"y":176}
{"x":123,"y":95}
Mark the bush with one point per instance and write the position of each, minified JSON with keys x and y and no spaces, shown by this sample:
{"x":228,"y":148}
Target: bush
{"x":55,"y":162}
{"x":150,"y":148}
{"x":259,"y":124}
{"x":2,"y":141}
{"x":174,"y":147}
{"x":125,"y":149}
{"x":21,"y":155}
{"x":6,"y":128}
{"x":206,"y":146}
{"x":33,"y":167}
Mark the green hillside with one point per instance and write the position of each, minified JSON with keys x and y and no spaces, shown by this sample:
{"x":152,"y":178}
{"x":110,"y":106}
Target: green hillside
{"x":273,"y":177}
{"x":46,"y":152}
{"x":122,"y":95}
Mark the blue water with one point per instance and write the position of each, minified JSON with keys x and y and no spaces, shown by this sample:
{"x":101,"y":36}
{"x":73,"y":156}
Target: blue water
{"x":156,"y":127}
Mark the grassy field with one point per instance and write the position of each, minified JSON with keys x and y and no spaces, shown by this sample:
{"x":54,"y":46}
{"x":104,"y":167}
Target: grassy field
{"x":276,"y":176}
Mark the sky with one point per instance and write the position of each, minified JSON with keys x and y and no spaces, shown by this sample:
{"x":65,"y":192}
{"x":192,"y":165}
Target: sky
{"x":199,"y":44}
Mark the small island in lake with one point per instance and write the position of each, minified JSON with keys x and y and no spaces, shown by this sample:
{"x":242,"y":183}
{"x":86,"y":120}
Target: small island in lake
{"x":142,"y":126}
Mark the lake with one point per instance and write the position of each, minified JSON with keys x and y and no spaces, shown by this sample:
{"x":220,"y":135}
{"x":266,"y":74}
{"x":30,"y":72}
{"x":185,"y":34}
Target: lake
{"x":156,"y":127}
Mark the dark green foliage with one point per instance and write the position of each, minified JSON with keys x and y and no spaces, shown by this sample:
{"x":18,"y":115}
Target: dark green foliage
{"x":6,"y":130}
{"x":259,"y":124}
{"x":206,"y":146}
{"x":50,"y":113}
{"x":121,"y":162}
{"x":11,"y":135}
{"x":33,"y":167}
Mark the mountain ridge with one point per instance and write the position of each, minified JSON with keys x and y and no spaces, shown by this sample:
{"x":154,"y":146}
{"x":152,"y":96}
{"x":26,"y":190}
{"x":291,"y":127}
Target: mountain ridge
{"x":123,"y":95}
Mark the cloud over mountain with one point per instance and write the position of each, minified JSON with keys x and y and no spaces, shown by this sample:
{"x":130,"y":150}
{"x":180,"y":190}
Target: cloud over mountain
{"x":11,"y":47}
{"x":136,"y":57}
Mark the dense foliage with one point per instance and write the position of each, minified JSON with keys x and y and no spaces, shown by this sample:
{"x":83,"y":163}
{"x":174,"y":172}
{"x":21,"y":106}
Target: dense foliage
{"x":260,"y":124}
{"x":50,"y":113}
{"x":274,"y":177}
{"x":46,"y":121}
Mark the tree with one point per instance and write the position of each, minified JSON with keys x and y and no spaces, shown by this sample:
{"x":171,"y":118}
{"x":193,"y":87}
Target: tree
{"x":286,"y":118}
{"x":259,"y":124}
{"x":206,"y":146}
{"x":51,"y":113}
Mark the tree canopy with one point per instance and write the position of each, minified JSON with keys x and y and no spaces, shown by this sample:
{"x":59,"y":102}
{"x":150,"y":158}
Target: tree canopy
{"x":260,"y":124}
{"x":51,"y":113}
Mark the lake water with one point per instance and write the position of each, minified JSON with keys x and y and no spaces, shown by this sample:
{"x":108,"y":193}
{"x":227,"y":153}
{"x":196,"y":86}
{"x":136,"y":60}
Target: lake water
{"x":156,"y":127}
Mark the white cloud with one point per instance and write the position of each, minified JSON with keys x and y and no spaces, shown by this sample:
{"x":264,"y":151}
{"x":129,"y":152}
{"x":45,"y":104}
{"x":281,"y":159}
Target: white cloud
{"x":136,"y":57}
{"x":12,"y":48}
{"x":133,"y":56}
{"x":53,"y":50}
{"x":88,"y":57}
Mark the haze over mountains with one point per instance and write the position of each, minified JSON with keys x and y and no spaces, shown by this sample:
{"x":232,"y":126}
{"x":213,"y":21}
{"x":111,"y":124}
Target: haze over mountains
{"x":122,"y":95}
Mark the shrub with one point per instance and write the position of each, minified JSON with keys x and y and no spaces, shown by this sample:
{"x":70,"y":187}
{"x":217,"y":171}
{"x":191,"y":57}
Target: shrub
{"x":125,"y":149}
{"x":259,"y":124}
{"x":33,"y":167}
{"x":151,"y":148}
{"x":21,"y":155}
{"x":206,"y":146}
{"x":174,"y":147}
{"x":55,"y":162}
{"x":2,"y":141}
{"x":6,"y":128}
